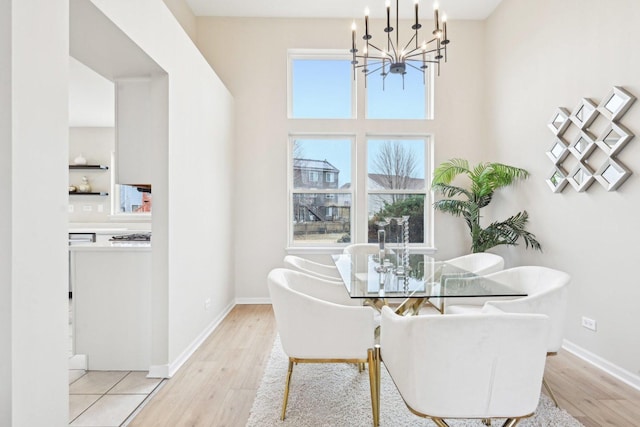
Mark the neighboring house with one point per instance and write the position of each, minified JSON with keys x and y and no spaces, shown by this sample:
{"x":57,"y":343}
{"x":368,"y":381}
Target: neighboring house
{"x":309,"y":207}
{"x":389,"y":182}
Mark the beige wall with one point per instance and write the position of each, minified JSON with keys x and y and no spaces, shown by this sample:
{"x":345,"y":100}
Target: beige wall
{"x":543,"y":54}
{"x":250,"y":56}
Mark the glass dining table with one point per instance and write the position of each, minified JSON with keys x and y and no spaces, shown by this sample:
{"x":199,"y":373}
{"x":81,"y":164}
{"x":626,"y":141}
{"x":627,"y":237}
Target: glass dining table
{"x":409,"y":284}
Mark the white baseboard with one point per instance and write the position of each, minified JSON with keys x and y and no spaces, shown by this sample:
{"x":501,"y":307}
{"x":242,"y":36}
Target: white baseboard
{"x":78,"y":361}
{"x":615,"y":371}
{"x":253,"y":301}
{"x":168,"y":370}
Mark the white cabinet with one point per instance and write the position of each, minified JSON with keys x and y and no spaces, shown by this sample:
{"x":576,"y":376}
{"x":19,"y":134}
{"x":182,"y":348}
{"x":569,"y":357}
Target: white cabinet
{"x":112,"y":306}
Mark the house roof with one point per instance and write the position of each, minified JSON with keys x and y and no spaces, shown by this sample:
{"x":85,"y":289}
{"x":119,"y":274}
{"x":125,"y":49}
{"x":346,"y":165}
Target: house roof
{"x":322,"y":165}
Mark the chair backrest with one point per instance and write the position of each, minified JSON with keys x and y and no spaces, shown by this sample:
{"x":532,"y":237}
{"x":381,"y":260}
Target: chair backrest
{"x":362,"y":248}
{"x":480,"y":263}
{"x":547,"y":293}
{"x":327,"y":272}
{"x":311,"y":321}
{"x":466,"y":366}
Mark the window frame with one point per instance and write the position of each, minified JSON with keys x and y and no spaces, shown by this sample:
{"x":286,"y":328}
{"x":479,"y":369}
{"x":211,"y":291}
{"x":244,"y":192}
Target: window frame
{"x":356,"y":129}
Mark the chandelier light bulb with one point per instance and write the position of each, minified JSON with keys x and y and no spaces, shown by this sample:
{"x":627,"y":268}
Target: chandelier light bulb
{"x":366,"y":11}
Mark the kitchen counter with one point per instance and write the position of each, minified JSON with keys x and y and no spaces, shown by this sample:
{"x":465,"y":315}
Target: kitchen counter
{"x":111,"y":246}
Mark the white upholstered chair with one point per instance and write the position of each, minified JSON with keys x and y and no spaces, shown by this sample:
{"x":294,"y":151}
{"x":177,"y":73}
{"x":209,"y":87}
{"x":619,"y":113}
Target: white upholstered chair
{"x":485,"y":365}
{"x":547,"y":293}
{"x":481,"y":263}
{"x":323,"y":271}
{"x":315,"y":327}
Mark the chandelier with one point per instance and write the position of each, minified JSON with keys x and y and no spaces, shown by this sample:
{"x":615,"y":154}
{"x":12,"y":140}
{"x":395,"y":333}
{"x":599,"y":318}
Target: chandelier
{"x":395,"y":58}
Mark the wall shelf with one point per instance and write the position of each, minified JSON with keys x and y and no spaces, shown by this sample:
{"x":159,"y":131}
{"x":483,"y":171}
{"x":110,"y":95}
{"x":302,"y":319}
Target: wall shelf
{"x":77,"y":193}
{"x":100,"y":167}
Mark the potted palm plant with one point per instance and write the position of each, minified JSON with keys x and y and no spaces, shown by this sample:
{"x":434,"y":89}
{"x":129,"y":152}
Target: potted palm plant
{"x":485,"y":179}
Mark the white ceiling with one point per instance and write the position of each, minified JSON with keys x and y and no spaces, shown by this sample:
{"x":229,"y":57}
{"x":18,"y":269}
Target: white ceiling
{"x":455,"y":9}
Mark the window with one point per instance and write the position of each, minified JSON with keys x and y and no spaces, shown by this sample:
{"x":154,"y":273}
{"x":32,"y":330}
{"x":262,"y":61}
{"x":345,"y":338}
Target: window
{"x":132,"y":199}
{"x":342,"y":181}
{"x":396,"y":186}
{"x":321,"y":86}
{"x":328,"y":177}
{"x":320,"y":210}
{"x":399,"y":97}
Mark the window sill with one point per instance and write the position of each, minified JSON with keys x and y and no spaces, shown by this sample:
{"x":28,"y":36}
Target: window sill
{"x":331,"y":250}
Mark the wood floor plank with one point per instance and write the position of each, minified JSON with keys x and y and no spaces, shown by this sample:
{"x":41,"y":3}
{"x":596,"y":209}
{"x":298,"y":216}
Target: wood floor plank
{"x":217,"y":385}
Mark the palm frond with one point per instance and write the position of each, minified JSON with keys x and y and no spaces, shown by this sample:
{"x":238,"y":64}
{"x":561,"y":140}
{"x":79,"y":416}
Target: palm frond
{"x":447,"y":171}
{"x":510,"y":230}
{"x":451,"y":191}
{"x":452,"y":206}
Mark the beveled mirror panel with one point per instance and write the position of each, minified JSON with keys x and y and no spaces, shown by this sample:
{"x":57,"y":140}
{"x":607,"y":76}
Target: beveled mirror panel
{"x":613,"y":138}
{"x":558,"y":151}
{"x":584,"y":114}
{"x":559,"y":121}
{"x":582,"y":146}
{"x":557,"y":180}
{"x":616,"y":103}
{"x":581,"y":177}
{"x":612,"y":174}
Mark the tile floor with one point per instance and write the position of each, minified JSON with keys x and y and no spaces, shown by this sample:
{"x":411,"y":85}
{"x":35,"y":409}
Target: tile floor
{"x":106,"y":398}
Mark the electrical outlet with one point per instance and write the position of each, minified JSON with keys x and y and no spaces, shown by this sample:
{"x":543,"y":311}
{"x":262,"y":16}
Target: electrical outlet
{"x":87,"y":208}
{"x":207,"y":304}
{"x":101,"y":208}
{"x":588,"y":323}
{"x":71,"y":208}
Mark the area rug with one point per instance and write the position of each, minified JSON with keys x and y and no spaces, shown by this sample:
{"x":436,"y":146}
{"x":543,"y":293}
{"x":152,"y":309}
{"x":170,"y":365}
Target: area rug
{"x":338,"y":395}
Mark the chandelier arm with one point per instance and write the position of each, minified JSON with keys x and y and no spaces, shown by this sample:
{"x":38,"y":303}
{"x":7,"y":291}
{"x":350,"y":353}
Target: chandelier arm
{"x":414,"y":67}
{"x":374,"y":70}
{"x":408,"y":57}
{"x":409,"y":42}
{"x":387,"y":54}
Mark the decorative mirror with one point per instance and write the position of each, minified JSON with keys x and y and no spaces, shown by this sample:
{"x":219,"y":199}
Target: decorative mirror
{"x":616,"y":103}
{"x":581,"y":177}
{"x":613,"y":138}
{"x":557,"y":180}
{"x":558,"y":151}
{"x":582,"y":146}
{"x":612,"y":174}
{"x":559,"y":121}
{"x":585,"y":148}
{"x":584,"y":114}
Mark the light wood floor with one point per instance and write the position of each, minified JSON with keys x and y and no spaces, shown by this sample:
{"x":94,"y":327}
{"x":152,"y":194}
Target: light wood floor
{"x":216,"y":387}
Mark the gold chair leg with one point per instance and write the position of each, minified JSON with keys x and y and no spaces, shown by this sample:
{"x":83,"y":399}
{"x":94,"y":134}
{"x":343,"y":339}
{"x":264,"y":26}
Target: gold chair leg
{"x":486,"y":421}
{"x":372,"y":385}
{"x":551,"y":395}
{"x":286,"y":390}
{"x":440,"y":422}
{"x":511,"y":422}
